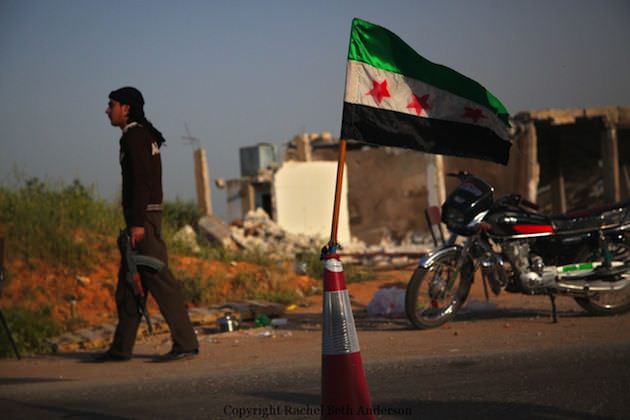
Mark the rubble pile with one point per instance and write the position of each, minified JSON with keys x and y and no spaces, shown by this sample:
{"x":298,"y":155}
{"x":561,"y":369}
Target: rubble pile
{"x":259,"y":233}
{"x":391,"y":254}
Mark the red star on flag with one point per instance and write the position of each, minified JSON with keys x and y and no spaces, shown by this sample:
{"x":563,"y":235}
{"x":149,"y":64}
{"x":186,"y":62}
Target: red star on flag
{"x":379,"y":91}
{"x":474,"y":114}
{"x":419,"y":104}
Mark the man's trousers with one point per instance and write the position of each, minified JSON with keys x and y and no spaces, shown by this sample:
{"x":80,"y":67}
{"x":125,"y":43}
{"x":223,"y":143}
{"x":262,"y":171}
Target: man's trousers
{"x":164,"y":289}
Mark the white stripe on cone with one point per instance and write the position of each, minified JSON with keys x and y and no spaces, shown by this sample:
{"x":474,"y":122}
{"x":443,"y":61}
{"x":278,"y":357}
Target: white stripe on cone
{"x":345,"y":393}
{"x":339,"y":332}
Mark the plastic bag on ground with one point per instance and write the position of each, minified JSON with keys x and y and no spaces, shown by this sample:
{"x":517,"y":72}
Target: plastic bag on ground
{"x":388,"y":301}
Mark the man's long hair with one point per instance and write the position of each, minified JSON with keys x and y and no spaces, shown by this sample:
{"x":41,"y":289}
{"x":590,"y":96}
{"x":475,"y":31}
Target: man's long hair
{"x":137,"y":115}
{"x":131,"y":96}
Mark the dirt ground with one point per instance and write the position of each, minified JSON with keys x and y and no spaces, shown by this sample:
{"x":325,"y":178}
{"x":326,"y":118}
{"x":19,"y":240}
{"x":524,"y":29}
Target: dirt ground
{"x":506,"y":323}
{"x":88,"y":294}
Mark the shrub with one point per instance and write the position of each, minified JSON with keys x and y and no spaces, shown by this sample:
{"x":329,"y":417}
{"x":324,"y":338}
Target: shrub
{"x":202,"y":290}
{"x":29,"y":329}
{"x":55,"y":223}
{"x":179,"y":213}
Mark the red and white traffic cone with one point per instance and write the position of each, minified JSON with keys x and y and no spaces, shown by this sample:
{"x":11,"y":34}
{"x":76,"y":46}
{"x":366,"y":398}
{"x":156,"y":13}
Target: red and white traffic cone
{"x":345,"y":393}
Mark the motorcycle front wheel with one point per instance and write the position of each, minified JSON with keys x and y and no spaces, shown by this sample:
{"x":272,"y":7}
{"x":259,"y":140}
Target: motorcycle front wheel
{"x":615,"y":302}
{"x":435,"y":293}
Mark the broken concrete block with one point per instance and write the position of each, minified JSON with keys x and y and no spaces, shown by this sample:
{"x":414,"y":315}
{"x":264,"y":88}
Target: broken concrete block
{"x":239,"y":237}
{"x":268,"y":308}
{"x":216,"y":231}
{"x":204,"y":316}
{"x":244,"y":309}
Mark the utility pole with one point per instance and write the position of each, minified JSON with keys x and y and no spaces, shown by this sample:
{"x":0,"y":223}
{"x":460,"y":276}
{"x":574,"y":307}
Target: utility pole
{"x":435,"y":179}
{"x":436,"y":186}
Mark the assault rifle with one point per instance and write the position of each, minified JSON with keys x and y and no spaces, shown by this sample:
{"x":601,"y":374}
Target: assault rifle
{"x":132,"y":276}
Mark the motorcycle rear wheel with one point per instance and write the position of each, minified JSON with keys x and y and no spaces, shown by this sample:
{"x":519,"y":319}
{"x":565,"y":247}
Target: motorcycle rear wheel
{"x":434,"y":294}
{"x":610,"y":303}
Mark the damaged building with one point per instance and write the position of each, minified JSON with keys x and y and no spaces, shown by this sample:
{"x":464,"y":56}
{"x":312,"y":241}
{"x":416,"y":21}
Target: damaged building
{"x":296,"y":194}
{"x":561,"y":158}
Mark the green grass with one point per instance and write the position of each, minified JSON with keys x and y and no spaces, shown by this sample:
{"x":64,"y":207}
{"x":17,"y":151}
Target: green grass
{"x":178,"y":213}
{"x":55,"y":223}
{"x":267,"y":285}
{"x":202,"y":290}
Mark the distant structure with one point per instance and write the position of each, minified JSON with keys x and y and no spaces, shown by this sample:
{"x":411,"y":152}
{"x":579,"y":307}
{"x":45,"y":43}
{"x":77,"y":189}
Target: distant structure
{"x":202,"y":180}
{"x":296,"y":192}
{"x":561,"y":159}
{"x":580,"y":156}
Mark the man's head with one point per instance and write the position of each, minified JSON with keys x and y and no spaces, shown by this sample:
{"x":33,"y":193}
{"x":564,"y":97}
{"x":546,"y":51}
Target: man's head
{"x":125,"y":105}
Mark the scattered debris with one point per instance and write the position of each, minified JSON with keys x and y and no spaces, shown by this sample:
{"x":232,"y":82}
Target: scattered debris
{"x":259,"y":233}
{"x":279,"y":322}
{"x":100,"y":336}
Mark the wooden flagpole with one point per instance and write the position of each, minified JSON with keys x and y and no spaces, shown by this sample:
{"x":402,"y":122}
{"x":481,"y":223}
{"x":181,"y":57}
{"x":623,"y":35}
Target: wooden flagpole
{"x":337,"y":204}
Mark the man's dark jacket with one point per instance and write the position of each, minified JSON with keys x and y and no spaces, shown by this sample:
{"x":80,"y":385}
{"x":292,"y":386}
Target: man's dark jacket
{"x":141,"y":173}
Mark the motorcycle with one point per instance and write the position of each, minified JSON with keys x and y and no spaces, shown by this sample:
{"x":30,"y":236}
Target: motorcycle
{"x":584,"y":255}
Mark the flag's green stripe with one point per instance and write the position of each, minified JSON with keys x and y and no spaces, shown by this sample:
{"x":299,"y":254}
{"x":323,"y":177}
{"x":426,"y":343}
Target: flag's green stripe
{"x":378,"y":47}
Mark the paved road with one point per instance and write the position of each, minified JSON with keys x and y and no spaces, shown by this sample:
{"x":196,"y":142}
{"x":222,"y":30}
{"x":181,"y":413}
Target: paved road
{"x":579,"y":383}
{"x":493,"y":363}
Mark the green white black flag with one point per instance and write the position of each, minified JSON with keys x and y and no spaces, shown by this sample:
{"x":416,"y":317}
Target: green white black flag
{"x":395,"y":97}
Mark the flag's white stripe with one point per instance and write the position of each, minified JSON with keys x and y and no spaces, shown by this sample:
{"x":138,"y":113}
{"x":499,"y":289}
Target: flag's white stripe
{"x":444,"y":105}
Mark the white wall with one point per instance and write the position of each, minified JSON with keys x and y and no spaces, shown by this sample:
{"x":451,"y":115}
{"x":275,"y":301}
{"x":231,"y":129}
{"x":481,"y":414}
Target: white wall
{"x":304,"y":192}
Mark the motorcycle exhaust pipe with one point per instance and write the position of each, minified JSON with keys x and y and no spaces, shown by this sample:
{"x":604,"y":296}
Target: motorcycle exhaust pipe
{"x":582,"y":287}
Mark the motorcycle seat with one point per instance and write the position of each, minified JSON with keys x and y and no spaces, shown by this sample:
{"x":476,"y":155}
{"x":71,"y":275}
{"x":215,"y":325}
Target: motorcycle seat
{"x":596,"y":210}
{"x":592,"y":218}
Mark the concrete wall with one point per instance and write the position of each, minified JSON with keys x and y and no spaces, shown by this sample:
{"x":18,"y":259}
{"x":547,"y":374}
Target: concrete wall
{"x":387,"y":191}
{"x":303,"y":195}
{"x":387,"y":187}
{"x":576,"y":156}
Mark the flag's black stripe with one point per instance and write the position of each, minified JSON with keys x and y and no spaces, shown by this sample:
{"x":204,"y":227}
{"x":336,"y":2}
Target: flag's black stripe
{"x":390,"y":128}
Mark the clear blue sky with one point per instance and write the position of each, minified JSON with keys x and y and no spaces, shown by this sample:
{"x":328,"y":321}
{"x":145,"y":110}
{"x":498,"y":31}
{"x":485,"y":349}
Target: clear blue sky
{"x":243,"y":72}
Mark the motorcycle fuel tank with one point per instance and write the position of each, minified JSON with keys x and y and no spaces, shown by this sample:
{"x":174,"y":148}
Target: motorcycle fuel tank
{"x":512,"y":223}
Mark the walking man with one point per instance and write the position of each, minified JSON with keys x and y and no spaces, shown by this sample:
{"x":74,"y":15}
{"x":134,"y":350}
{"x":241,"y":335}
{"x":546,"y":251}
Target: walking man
{"x":142,"y":208}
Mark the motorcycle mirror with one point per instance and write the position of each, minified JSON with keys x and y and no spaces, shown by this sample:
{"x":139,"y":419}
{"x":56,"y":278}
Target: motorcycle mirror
{"x":461,"y":175}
